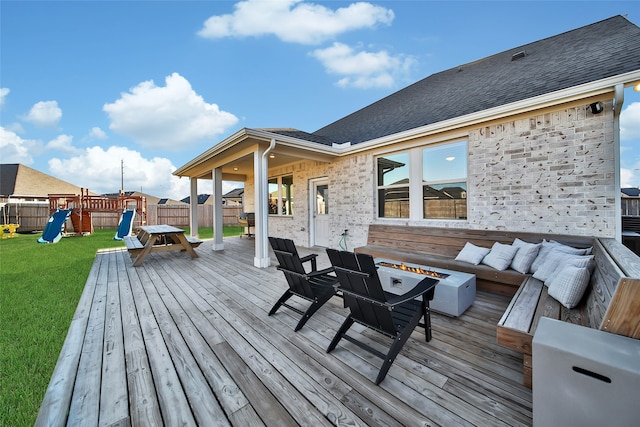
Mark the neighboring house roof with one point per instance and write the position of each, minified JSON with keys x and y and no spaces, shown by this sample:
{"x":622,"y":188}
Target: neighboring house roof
{"x":207,"y":199}
{"x":594,"y":52}
{"x":151,"y":200}
{"x":631,"y":192}
{"x":234,"y":194}
{"x":20,"y":180}
{"x":202,"y":199}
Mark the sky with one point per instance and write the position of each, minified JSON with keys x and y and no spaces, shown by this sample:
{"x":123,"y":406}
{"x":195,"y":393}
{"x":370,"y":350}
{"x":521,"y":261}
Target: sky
{"x":89,"y":86}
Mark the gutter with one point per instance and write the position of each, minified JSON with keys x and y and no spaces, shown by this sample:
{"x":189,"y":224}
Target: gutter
{"x":618,"y":100}
{"x":261,"y":258}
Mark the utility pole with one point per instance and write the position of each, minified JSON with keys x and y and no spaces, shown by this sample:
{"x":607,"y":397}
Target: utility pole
{"x":122,"y":177}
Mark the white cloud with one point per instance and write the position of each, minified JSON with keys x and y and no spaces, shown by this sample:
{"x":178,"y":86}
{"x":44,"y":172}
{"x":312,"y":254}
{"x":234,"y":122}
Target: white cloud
{"x":170,"y":117}
{"x":627,"y":178}
{"x":294,"y":21}
{"x":4,"y":91}
{"x":63,"y":143}
{"x":14,"y":149}
{"x":44,"y":114}
{"x":97,"y":133}
{"x":99,"y":170}
{"x":630,"y":122}
{"x":362,"y":69}
{"x":14,"y":127}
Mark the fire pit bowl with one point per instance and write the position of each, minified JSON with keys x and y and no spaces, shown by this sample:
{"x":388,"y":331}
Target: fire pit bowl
{"x":455,"y":291}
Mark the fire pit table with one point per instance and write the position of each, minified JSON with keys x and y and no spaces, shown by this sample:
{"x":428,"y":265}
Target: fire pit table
{"x":455,"y":292}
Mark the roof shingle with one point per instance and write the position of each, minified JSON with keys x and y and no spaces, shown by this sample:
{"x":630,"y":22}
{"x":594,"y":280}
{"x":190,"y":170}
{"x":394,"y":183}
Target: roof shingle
{"x":591,"y":53}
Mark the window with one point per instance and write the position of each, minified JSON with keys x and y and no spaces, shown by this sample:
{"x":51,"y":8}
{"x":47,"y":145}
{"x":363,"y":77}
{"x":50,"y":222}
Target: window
{"x":444,"y":181}
{"x":393,"y":186}
{"x":424,"y":183}
{"x":281,"y":195}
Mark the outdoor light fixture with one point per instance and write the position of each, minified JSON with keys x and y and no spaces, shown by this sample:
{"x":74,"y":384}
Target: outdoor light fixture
{"x":637,"y":87}
{"x":596,"y":107}
{"x":272,"y":156}
{"x":450,"y":159}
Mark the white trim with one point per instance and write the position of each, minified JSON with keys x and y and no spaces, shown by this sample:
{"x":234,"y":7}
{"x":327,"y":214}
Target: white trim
{"x":583,"y":91}
{"x":313,"y":182}
{"x":193,"y":210}
{"x":218,"y":243}
{"x":617,"y":109}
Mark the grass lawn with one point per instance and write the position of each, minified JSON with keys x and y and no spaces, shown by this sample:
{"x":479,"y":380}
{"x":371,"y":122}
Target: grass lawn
{"x":40,"y":285}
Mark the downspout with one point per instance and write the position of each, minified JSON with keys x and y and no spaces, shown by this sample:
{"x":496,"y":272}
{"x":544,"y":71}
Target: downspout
{"x":618,"y":100}
{"x":262,"y":215}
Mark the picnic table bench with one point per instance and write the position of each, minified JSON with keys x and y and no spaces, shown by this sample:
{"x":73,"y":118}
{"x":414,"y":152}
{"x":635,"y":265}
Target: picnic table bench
{"x":159,"y":238}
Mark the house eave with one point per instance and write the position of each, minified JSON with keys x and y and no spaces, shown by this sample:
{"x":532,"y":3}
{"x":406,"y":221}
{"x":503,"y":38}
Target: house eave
{"x":571,"y":94}
{"x":326,"y":153}
{"x":319,"y":151}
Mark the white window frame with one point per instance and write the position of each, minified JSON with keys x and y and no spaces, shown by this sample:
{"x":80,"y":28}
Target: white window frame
{"x":416,"y":202}
{"x":280,"y":196}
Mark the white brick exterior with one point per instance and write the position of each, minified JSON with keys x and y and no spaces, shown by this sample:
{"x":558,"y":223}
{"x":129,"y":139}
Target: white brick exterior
{"x":550,"y":173}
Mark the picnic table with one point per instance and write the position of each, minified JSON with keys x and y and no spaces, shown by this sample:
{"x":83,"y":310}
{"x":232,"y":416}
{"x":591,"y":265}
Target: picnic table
{"x":159,"y":238}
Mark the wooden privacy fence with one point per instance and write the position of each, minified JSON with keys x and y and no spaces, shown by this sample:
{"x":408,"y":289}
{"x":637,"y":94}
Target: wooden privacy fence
{"x":34,"y":217}
{"x":178,"y":215}
{"x":630,"y":207}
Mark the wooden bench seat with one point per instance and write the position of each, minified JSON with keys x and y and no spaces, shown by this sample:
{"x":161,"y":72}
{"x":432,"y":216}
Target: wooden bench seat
{"x":134,"y":245}
{"x":611,"y":303}
{"x":438,"y":247}
{"x":195,"y":242}
{"x":616,"y":277}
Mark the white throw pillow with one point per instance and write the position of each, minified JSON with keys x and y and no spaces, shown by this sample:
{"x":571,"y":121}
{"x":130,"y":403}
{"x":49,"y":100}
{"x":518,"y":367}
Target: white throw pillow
{"x":500,"y":256}
{"x":581,"y":261}
{"x":545,"y":248}
{"x":472,"y":254}
{"x":555,"y":259}
{"x":571,"y":250}
{"x":527,"y":253}
{"x":548,"y":246}
{"x":568,"y":287}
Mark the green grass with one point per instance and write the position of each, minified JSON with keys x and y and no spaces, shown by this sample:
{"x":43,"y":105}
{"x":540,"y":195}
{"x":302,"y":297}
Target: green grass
{"x":40,"y":285}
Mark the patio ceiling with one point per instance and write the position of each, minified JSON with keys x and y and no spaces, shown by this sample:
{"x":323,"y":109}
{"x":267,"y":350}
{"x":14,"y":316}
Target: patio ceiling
{"x":235,"y":155}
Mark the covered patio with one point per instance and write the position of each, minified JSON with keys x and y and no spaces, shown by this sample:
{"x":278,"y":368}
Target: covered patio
{"x":181,"y":341}
{"x":247,"y":156}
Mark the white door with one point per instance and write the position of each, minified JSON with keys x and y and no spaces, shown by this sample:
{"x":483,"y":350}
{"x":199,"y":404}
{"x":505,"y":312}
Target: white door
{"x":320,"y":212}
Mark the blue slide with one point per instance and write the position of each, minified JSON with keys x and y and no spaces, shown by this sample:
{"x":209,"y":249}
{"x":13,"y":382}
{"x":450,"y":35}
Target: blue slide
{"x":125,"y":225}
{"x":53,"y":231}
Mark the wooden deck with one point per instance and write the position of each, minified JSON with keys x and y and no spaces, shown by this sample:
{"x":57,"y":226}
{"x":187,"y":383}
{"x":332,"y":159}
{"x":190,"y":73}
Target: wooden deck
{"x":181,"y":341}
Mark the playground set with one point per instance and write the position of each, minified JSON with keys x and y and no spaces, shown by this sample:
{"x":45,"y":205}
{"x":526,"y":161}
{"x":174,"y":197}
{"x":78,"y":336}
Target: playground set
{"x":9,"y":228}
{"x":79,"y":208}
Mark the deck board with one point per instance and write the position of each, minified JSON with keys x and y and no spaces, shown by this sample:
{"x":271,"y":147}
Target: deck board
{"x":181,"y":341}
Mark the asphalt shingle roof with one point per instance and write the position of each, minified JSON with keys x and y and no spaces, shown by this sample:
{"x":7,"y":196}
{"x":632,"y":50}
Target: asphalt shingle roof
{"x":295,"y":133}
{"x":594,"y":52}
{"x":20,"y":180}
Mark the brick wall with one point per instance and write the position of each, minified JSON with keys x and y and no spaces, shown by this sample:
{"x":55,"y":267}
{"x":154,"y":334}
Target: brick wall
{"x":552,"y":173}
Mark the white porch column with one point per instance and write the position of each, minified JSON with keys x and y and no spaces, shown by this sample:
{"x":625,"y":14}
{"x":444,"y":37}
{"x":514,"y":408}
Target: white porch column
{"x":216,"y":174}
{"x":261,"y":185}
{"x":193,"y":208}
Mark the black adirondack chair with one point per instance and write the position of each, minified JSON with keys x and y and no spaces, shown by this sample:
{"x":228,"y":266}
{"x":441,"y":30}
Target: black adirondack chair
{"x":395,"y":316}
{"x":315,"y":286}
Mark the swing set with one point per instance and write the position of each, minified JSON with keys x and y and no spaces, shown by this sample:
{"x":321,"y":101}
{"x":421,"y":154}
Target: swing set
{"x":84,"y":205}
{"x":9,"y":228}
